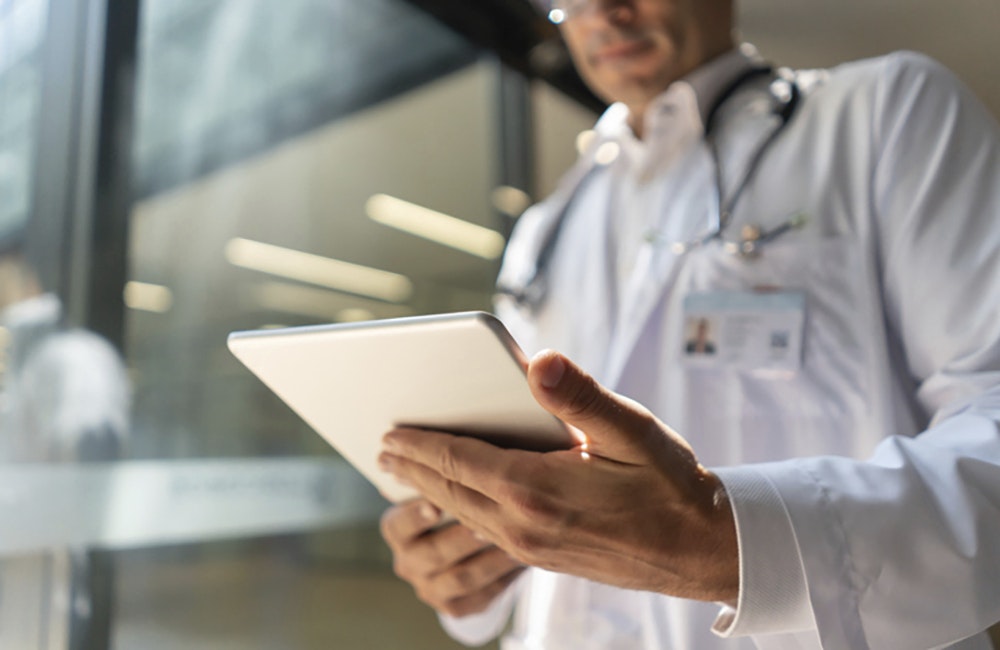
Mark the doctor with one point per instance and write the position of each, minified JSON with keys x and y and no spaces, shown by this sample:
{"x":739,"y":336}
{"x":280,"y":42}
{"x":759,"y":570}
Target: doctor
{"x":837,"y":484}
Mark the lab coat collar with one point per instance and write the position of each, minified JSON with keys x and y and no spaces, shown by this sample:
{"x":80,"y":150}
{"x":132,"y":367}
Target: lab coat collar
{"x":711,"y":79}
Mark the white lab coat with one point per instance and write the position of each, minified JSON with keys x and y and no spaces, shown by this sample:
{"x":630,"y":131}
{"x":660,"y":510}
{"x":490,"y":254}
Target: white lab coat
{"x":898,"y":168}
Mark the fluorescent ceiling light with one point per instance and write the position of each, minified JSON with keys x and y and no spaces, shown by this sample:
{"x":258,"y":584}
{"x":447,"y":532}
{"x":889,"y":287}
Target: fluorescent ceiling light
{"x":354,"y":315}
{"x":584,"y":140}
{"x":148,"y":297}
{"x":435,"y":226}
{"x":315,"y":269}
{"x":510,"y":200}
{"x":607,"y":153}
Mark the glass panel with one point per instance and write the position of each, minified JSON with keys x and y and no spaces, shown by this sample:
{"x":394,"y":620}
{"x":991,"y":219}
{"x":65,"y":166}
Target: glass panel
{"x":23,"y":319}
{"x":22,"y":30}
{"x":63,"y":396}
{"x":286,"y":126}
{"x":562,"y":127}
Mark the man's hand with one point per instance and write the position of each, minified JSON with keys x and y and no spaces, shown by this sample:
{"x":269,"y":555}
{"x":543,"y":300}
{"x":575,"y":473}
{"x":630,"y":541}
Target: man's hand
{"x":630,"y":506}
{"x":451,"y":569}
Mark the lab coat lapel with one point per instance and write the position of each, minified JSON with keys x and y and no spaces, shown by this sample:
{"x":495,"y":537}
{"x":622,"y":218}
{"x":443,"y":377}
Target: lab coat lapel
{"x":581,"y":274}
{"x":647,"y":285}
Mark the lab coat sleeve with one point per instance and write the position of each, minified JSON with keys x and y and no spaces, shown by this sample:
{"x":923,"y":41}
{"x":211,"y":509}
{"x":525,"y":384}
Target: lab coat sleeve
{"x":900,"y":551}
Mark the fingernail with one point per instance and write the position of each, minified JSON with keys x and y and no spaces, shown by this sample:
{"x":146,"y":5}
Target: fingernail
{"x":386,"y":463}
{"x":553,"y":373}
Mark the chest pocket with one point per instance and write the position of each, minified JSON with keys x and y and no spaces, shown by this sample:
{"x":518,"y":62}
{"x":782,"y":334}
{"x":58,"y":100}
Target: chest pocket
{"x":807,"y":411}
{"x":830,"y":271}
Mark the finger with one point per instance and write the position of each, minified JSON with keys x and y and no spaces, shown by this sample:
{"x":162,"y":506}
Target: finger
{"x":463,"y":502}
{"x":462,"y":460}
{"x":479,"y":601}
{"x":615,"y":427}
{"x":402,"y":523}
{"x":438,"y":550}
{"x":472,"y":575}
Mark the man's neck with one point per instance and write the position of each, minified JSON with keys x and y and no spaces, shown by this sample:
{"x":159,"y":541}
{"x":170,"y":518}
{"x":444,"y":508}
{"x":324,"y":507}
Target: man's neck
{"x":637,"y":118}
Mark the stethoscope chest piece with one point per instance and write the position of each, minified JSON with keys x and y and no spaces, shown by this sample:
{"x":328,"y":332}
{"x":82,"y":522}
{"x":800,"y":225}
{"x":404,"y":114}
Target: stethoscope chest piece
{"x":748,"y":245}
{"x":753,"y":236}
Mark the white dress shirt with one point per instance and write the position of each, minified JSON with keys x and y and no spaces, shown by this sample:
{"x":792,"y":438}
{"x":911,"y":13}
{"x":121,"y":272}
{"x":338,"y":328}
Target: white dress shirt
{"x":865,"y":484}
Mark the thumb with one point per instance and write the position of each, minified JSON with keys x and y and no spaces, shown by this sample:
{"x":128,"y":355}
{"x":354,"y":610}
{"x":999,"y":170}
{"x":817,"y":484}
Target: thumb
{"x":614,"y":426}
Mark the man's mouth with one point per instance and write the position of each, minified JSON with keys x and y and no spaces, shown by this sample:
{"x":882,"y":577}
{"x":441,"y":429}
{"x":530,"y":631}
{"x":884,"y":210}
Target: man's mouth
{"x":619,"y":50}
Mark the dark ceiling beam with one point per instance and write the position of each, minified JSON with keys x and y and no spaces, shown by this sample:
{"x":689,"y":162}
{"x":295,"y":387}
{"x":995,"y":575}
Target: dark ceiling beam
{"x":519,"y":35}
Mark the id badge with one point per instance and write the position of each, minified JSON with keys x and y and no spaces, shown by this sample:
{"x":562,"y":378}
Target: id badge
{"x":758,"y":331}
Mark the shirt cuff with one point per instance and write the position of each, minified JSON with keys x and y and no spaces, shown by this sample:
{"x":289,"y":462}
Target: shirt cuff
{"x":773,"y":596}
{"x":478,"y":629}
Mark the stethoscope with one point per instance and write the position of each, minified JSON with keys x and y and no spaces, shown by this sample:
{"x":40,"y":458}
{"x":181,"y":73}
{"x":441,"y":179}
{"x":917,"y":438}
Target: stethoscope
{"x":785,"y":95}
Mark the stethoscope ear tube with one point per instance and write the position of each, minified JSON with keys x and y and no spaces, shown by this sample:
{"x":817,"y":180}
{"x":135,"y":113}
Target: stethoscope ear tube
{"x":532,"y":293}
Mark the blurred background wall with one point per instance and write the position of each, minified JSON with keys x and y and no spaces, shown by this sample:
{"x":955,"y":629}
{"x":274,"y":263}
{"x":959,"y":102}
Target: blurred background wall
{"x":158,"y":156}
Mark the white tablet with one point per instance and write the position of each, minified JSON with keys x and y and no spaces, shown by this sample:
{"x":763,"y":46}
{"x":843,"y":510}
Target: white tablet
{"x":352,"y":383}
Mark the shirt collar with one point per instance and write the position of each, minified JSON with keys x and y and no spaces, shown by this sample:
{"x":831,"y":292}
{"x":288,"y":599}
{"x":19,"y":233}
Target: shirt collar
{"x":703,"y":85}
